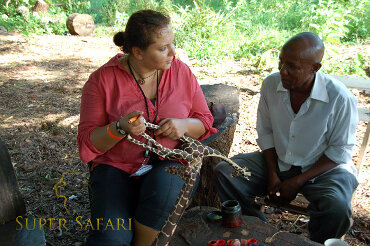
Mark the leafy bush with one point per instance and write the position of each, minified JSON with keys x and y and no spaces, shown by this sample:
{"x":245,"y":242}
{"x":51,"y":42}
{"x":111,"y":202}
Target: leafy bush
{"x":212,"y":30}
{"x":48,"y":23}
{"x":75,"y":6}
{"x":206,"y":34}
{"x":333,"y":63}
{"x":254,"y":30}
{"x":359,"y":23}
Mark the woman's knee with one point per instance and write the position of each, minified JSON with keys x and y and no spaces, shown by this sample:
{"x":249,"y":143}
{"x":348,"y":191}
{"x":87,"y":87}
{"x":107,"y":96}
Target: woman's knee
{"x":158,"y":196}
{"x":116,"y":237}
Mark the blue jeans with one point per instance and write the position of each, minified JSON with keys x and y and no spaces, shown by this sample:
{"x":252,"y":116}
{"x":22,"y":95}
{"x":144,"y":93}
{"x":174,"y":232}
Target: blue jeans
{"x":117,"y":200}
{"x":329,"y":194}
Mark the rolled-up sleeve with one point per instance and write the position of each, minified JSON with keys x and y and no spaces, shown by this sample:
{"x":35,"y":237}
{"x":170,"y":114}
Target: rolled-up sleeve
{"x":342,"y":138}
{"x":201,"y":111}
{"x":264,"y":129}
{"x":92,"y":115}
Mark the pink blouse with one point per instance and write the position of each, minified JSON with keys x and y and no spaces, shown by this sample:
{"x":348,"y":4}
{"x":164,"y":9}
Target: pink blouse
{"x":111,"y":92}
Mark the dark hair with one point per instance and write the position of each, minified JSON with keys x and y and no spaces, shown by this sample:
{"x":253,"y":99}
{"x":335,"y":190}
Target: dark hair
{"x":139,"y":30}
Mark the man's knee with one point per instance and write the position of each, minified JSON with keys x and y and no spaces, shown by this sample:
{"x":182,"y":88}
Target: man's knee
{"x":332,"y":220}
{"x":221,"y":169}
{"x":338,"y":207}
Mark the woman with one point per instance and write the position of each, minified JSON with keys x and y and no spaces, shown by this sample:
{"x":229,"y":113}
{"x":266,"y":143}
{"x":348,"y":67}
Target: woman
{"x":128,"y":185}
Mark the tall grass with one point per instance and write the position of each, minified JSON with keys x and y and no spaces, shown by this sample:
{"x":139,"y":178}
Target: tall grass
{"x":213,"y":30}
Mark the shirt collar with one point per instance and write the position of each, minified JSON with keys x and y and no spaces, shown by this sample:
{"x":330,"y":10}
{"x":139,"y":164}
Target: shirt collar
{"x":114,"y":61}
{"x":319,"y":91}
{"x":280,"y":87}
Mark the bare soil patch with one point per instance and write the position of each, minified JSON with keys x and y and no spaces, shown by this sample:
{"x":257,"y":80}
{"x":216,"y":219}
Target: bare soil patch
{"x":40,"y":86}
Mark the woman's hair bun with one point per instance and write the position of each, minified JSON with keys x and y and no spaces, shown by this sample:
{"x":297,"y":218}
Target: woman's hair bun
{"x":119,"y":39}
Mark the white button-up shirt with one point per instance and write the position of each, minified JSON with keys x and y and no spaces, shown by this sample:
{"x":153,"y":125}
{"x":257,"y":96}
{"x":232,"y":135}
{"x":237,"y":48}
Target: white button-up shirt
{"x":325,"y":123}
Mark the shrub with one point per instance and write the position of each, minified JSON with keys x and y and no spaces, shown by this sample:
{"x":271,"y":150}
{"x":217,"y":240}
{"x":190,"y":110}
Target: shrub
{"x":211,"y":30}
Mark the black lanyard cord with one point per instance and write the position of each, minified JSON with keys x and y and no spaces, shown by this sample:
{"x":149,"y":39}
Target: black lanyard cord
{"x":142,"y":92}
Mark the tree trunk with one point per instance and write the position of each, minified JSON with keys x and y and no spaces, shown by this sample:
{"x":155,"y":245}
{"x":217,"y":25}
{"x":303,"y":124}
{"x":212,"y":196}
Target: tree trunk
{"x":11,"y":202}
{"x":206,"y":194}
{"x":80,"y":24}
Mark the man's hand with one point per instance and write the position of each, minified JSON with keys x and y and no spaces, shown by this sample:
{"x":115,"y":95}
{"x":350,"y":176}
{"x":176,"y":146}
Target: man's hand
{"x":273,"y":184}
{"x":273,"y":187}
{"x":289,"y":189}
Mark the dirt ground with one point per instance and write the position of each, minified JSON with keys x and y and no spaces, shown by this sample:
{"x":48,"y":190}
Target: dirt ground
{"x":40,"y":86}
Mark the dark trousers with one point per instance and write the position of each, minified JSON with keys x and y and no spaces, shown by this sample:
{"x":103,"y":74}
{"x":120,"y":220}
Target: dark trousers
{"x":329,"y":194}
{"x":117,"y":199}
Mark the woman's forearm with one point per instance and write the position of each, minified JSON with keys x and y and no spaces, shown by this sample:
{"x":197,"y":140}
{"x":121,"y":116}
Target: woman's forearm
{"x":102,"y":140}
{"x":195,"y":128}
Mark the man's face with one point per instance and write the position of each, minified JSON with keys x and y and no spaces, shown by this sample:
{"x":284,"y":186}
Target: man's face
{"x":296,"y":71}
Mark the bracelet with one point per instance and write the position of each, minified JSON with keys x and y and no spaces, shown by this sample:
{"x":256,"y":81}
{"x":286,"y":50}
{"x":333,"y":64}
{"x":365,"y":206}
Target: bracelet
{"x":111,"y":134}
{"x":119,"y":129}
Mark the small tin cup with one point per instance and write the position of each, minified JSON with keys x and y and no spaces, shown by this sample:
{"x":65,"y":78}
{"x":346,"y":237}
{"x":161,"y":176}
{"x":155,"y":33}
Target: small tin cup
{"x":231,"y":214}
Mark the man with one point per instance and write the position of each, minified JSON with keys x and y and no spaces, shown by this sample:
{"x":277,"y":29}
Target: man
{"x":306,"y":126}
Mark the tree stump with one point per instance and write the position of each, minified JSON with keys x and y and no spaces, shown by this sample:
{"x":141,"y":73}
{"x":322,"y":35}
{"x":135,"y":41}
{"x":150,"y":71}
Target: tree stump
{"x":206,"y":194}
{"x":80,"y":24}
{"x":12,"y":227}
{"x":11,"y":202}
{"x":40,"y":6}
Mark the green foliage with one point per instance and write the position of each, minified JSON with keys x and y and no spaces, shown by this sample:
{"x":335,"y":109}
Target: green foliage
{"x":333,"y":63}
{"x":212,"y":30}
{"x":359,"y":23}
{"x":73,"y":6}
{"x":328,"y":19}
{"x":206,"y":34}
{"x":52,"y":22}
{"x":264,"y":14}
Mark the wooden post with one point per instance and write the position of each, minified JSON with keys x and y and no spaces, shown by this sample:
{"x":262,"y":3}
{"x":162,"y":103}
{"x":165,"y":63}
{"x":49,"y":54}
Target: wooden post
{"x":206,"y":194}
{"x":11,"y":202}
{"x":364,"y":115}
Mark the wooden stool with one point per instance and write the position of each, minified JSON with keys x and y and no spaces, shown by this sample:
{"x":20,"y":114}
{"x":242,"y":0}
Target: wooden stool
{"x":364,"y":115}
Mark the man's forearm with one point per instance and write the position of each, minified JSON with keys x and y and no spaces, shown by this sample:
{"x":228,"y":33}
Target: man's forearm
{"x":322,"y":165}
{"x":271,"y":160}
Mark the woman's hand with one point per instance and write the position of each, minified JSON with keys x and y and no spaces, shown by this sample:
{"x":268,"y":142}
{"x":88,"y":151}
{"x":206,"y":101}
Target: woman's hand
{"x":136,"y":127}
{"x":172,"y":128}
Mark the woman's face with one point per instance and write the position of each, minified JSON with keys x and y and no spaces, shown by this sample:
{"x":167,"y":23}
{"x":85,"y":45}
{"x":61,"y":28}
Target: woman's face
{"x":159,"y":54}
